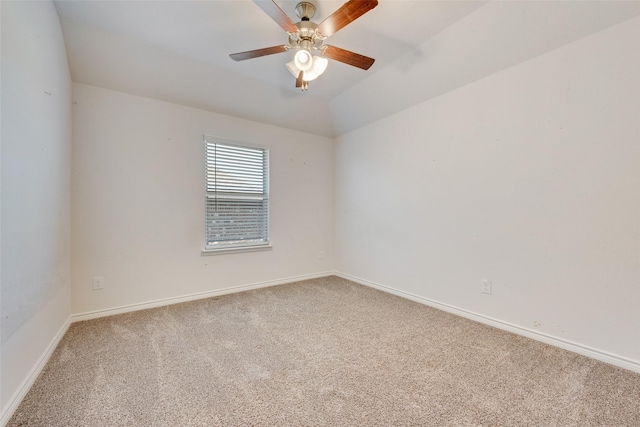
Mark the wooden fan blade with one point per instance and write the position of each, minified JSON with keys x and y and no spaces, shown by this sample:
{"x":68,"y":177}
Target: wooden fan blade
{"x":299,"y":79}
{"x":241,"y":56}
{"x":347,"y":57}
{"x":348,"y":12}
{"x":273,"y":10}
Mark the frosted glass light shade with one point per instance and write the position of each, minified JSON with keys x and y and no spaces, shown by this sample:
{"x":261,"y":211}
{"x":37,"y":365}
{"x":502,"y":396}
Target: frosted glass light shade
{"x":291,"y":66}
{"x":318,"y":67}
{"x":303,"y":60}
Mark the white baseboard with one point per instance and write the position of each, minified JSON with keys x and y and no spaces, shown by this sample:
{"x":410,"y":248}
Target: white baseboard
{"x":593,"y":353}
{"x":192,"y":297}
{"x":12,"y":404}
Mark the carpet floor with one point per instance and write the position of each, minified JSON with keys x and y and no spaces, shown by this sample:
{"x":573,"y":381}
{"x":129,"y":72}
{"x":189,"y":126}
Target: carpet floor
{"x":318,"y":352}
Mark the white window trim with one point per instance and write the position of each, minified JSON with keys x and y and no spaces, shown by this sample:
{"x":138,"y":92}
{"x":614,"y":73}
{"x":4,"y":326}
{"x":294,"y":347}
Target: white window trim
{"x":236,"y":250}
{"x":240,"y":248}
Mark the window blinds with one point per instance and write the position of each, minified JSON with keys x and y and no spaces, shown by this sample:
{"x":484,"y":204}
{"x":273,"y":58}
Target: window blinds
{"x":237,"y":200}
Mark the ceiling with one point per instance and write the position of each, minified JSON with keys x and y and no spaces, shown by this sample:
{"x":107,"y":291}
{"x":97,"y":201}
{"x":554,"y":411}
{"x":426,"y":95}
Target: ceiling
{"x":178,"y":51}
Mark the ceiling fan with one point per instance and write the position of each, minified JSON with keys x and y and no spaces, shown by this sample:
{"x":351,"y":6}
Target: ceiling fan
{"x":307,"y":38}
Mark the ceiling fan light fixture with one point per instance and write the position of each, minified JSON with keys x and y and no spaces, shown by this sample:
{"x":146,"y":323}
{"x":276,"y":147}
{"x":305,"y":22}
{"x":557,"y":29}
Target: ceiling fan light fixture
{"x":318,"y":67}
{"x":303,"y":60}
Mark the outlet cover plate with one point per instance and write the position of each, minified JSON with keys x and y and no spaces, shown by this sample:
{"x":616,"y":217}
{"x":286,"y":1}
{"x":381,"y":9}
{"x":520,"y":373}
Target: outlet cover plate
{"x":98,"y":283}
{"x":485,"y":287}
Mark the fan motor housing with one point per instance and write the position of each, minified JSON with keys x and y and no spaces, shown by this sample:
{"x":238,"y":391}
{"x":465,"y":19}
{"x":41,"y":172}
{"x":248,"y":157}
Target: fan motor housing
{"x":306,"y":36}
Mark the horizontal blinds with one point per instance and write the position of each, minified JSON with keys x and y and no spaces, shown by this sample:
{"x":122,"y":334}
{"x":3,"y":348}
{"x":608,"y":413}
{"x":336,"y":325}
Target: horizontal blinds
{"x":237,"y":202}
{"x":233,"y":221}
{"x":235,"y":169}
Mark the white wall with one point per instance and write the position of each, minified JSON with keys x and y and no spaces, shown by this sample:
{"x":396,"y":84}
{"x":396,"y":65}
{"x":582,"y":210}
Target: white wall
{"x":138,"y":201}
{"x":529,"y":178}
{"x":36,"y":155}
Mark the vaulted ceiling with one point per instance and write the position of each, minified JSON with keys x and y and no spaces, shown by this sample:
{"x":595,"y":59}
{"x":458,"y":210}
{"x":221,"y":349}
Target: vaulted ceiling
{"x":178,"y":51}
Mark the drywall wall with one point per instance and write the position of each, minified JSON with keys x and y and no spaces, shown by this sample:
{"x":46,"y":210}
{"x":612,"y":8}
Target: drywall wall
{"x":138,"y":201}
{"x":36,"y":189}
{"x":529,"y":178}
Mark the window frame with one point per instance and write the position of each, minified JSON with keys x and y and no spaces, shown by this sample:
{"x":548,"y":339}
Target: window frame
{"x":241,"y":246}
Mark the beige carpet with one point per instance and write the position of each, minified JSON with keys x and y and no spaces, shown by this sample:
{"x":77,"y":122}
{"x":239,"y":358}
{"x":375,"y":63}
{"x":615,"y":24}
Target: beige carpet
{"x":318,"y":352}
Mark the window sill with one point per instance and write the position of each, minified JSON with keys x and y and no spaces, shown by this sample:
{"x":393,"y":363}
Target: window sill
{"x":206,"y":252}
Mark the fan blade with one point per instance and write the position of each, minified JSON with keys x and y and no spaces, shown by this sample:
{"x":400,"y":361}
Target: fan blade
{"x":299,"y":79}
{"x":349,"y":12}
{"x":347,"y":57}
{"x":273,"y":10}
{"x":241,"y":56}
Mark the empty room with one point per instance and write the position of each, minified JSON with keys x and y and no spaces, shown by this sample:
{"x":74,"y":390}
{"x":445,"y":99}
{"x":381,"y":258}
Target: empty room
{"x":341,"y":212}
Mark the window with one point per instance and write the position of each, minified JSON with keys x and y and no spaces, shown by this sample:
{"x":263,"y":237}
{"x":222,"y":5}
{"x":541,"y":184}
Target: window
{"x":237,"y":199}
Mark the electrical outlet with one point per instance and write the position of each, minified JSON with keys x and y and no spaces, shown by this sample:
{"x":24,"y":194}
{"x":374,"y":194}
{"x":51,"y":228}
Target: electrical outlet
{"x":98,"y":283}
{"x":485,"y":287}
